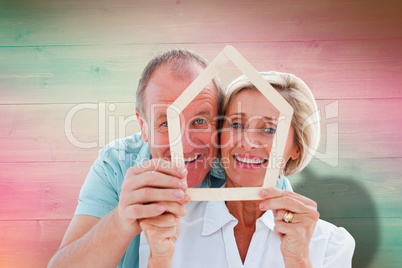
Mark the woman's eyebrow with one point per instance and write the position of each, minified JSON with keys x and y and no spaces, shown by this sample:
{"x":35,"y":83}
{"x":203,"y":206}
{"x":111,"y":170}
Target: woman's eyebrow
{"x":238,"y":114}
{"x":266,"y":118}
{"x":270,"y":118}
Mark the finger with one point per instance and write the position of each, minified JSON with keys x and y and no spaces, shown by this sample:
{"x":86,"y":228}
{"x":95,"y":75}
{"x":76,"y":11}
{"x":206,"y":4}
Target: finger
{"x":153,"y":179}
{"x":297,"y":217}
{"x":293,"y":230}
{"x":283,"y":228}
{"x":164,"y":220}
{"x":151,"y":195}
{"x":280,"y":213}
{"x":161,"y":166}
{"x":288,"y":201}
{"x":143,"y":211}
{"x":284,"y":203}
{"x":165,"y":225}
{"x":277,"y":193}
{"x":174,"y":208}
{"x":140,"y":211}
{"x":307,"y":220}
{"x":158,"y":233}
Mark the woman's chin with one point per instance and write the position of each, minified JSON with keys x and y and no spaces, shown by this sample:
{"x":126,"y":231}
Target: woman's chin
{"x":244,"y":184}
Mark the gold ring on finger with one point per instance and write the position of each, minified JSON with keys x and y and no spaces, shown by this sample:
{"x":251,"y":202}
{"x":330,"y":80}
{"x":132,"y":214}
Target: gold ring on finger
{"x":288,"y":217}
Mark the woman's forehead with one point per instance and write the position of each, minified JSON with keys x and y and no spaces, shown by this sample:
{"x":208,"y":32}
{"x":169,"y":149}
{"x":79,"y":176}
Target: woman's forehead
{"x":251,"y":103}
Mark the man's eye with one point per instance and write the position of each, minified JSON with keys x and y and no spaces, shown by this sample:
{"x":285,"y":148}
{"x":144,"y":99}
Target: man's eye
{"x":199,"y":121}
{"x":164,"y":124}
{"x":235,"y":125}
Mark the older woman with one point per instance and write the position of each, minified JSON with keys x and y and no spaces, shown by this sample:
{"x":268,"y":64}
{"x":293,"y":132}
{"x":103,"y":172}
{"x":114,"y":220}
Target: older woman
{"x":281,"y":230}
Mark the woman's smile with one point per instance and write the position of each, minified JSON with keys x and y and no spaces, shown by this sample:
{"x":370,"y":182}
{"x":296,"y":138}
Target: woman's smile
{"x":249,"y":161}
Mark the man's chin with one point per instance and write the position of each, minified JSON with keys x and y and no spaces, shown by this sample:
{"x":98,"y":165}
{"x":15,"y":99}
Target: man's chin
{"x":195,"y":176}
{"x":197,"y":170}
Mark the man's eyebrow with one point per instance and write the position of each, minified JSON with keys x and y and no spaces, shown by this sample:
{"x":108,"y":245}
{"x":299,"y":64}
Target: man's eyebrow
{"x":205,"y":112}
{"x":160,"y":117}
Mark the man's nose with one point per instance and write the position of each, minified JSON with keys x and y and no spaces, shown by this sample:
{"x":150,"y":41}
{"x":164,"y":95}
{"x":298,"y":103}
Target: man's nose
{"x":188,"y":141}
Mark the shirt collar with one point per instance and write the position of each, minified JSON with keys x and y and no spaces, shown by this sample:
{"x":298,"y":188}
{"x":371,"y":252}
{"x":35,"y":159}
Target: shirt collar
{"x":267,"y":219}
{"x":217,"y":215}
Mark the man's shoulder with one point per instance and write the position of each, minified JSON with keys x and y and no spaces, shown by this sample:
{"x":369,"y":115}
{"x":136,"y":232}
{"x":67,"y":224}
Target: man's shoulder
{"x":217,"y":173}
{"x":131,"y":148}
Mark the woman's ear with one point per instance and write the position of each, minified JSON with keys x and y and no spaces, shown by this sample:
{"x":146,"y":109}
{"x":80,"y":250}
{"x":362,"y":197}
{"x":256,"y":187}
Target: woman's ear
{"x":295,"y":154}
{"x":144,"y":127}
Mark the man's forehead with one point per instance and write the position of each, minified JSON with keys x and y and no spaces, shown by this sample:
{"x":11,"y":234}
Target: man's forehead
{"x":166,"y":85}
{"x":159,"y":112}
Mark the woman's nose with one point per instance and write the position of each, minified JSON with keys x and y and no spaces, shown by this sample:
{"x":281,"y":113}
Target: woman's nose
{"x":250,"y":139}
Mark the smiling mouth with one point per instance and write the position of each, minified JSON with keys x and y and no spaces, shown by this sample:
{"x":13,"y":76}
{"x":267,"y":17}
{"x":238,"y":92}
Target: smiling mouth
{"x":191,"y":159}
{"x":254,"y":161}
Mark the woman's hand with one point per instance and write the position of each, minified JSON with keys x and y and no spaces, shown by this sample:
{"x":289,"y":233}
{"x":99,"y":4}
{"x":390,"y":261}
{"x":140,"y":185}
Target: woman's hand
{"x":161,"y":232}
{"x":296,"y":234}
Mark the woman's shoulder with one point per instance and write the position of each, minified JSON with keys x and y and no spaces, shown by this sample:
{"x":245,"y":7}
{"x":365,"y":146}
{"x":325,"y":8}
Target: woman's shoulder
{"x":333,"y":233}
{"x":331,"y":246}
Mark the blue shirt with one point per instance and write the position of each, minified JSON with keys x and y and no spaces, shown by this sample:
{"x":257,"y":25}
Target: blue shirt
{"x":101,"y":190}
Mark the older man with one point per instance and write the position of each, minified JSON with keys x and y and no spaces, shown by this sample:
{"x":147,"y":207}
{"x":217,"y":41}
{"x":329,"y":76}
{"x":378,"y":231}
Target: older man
{"x":133,"y":178}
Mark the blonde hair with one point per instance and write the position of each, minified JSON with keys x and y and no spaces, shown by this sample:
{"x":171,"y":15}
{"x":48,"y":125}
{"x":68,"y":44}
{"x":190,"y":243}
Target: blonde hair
{"x":305,"y":119}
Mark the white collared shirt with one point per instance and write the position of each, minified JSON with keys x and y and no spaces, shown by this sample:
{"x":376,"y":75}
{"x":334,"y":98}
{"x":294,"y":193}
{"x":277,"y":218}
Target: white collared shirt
{"x":207,"y":240}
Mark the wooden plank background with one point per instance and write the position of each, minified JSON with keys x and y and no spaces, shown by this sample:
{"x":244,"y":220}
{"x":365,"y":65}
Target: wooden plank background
{"x":56,"y":55}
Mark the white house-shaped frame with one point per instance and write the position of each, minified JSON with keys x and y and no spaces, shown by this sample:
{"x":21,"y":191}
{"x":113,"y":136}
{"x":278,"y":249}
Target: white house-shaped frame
{"x":285,"y":118}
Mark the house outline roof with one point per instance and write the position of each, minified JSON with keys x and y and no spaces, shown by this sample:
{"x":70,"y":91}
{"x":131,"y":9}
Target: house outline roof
{"x":174,"y":129}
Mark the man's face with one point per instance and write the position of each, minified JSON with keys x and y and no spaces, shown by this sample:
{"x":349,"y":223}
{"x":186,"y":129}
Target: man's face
{"x":200,"y":126}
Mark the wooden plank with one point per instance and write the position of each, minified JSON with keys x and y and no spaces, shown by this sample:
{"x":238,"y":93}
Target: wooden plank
{"x":366,"y":128}
{"x":356,"y":188}
{"x":377,"y":240}
{"x":39,"y":191}
{"x":131,"y":22}
{"x":31,"y":133}
{"x":71,"y":74}
{"x":30,"y":243}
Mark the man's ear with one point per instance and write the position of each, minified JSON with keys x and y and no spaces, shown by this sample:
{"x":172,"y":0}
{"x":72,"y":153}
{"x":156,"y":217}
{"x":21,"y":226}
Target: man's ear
{"x":144,"y":127}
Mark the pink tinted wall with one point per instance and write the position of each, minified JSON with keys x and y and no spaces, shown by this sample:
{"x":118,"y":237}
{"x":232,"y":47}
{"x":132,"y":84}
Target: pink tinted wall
{"x":57,"y":57}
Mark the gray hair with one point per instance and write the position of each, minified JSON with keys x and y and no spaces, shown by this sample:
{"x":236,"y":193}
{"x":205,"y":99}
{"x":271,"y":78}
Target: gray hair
{"x":178,"y":57}
{"x":305,"y":120}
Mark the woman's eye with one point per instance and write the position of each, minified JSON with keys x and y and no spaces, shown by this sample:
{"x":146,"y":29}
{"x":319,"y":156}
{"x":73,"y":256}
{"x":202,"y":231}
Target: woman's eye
{"x":269,"y":130}
{"x":164,"y":124}
{"x":235,"y":125}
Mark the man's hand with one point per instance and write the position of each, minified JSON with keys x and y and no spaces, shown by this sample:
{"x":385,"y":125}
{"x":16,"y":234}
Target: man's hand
{"x":161,"y":232}
{"x":151,"y":189}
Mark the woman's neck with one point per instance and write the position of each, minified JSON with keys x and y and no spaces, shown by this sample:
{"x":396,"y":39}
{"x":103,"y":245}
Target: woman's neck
{"x":247,"y":213}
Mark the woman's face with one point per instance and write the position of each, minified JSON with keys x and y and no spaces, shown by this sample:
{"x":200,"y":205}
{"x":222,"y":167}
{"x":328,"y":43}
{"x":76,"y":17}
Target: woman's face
{"x":247,"y":137}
